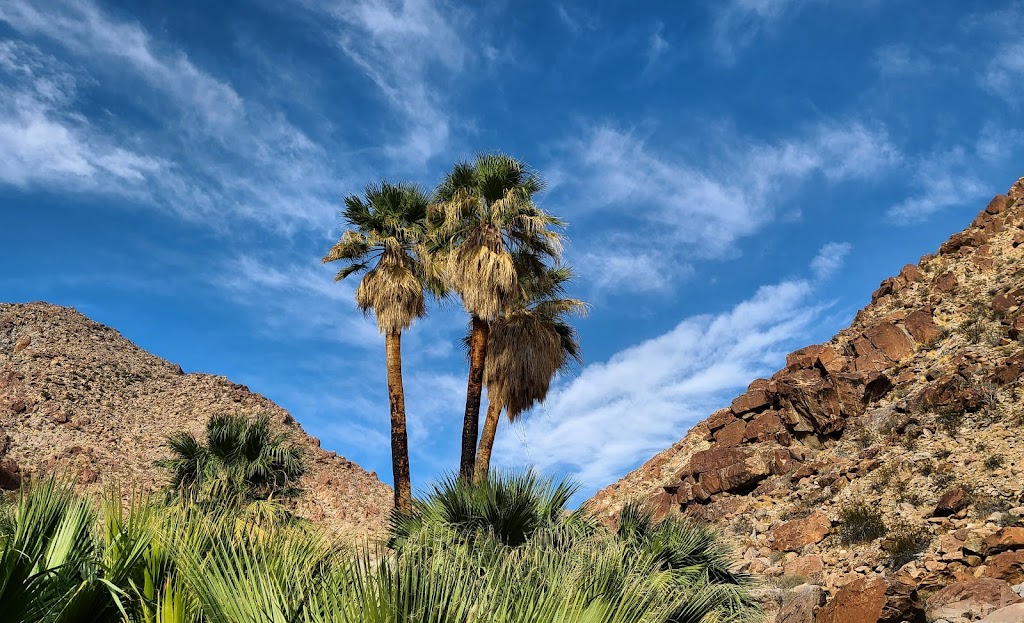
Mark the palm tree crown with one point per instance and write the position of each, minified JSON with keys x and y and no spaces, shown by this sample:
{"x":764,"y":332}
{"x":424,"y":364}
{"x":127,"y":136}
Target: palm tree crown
{"x":386,"y":241}
{"x":486,"y":223}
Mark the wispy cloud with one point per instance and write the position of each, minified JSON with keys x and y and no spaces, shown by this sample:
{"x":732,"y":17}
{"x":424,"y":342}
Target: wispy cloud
{"x":830,"y":259}
{"x":944,"y":180}
{"x":696,"y":209}
{"x":410,"y":49}
{"x":737,"y":24}
{"x":900,"y":60}
{"x":658,"y":389}
{"x":215,"y":156}
{"x":1005,"y":72}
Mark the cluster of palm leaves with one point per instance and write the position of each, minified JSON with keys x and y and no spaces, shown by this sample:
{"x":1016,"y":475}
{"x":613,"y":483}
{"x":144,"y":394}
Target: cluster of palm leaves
{"x":242,"y":462}
{"x":481,"y":236}
{"x":501,"y":550}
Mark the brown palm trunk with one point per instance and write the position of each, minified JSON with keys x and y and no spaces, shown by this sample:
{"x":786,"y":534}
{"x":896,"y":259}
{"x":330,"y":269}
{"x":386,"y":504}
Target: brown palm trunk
{"x":399,"y":438}
{"x":471,"y":421}
{"x":483,"y":454}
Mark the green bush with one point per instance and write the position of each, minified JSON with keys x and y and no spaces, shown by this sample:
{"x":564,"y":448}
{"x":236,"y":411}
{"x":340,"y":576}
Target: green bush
{"x":904,"y":543}
{"x":64,"y":561}
{"x":860,"y":523}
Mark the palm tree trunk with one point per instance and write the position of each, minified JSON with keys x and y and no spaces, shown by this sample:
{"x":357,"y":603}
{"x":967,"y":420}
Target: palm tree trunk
{"x":399,"y":438}
{"x":483,"y":453}
{"x":471,"y":421}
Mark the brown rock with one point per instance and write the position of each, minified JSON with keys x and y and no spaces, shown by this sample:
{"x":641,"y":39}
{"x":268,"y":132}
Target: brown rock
{"x":22,"y":343}
{"x":720,"y":418}
{"x":751,"y":400}
{"x":764,"y":425}
{"x":868,"y":359}
{"x":1003,"y":303}
{"x":1006,"y":539}
{"x":952,"y":501}
{"x":806,"y":566}
{"x":861,"y":601}
{"x":1009,"y":369}
{"x":912,"y":273}
{"x":802,"y":606}
{"x":10,"y":475}
{"x":814,"y":398}
{"x":19,"y":406}
{"x":731,"y":434}
{"x":970,"y":600}
{"x":998,"y":204}
{"x":794,"y":534}
{"x":921,"y":327}
{"x":1009,"y":614}
{"x":944,"y":283}
{"x":891,"y":340}
{"x":1007,"y":566}
{"x":1017,"y":190}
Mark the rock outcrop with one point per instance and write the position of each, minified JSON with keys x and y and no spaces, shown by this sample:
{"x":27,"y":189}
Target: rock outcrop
{"x":887,"y":465}
{"x":76,"y":397}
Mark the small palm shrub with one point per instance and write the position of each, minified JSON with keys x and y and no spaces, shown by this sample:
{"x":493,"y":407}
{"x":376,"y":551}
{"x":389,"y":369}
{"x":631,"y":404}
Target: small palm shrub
{"x":62,"y":560}
{"x":242,"y":461}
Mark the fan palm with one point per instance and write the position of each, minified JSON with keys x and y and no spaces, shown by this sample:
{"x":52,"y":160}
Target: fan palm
{"x":385,"y":240}
{"x":490,"y":232}
{"x":242,"y":461}
{"x":526,"y":347}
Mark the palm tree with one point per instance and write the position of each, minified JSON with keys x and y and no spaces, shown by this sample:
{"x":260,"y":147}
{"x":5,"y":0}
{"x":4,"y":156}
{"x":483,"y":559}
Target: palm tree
{"x":385,"y":239}
{"x":489,"y":230}
{"x":242,"y":461}
{"x":526,"y":347}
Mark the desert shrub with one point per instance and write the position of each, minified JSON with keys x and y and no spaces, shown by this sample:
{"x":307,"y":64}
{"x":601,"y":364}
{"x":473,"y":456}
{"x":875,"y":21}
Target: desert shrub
{"x":994,"y":461}
{"x":926,"y":468}
{"x":985,"y":505}
{"x":904,"y":542}
{"x":944,"y":476}
{"x":787,"y":582}
{"x":911,"y":496}
{"x":860,"y":523}
{"x":950,"y":418}
{"x":943,"y":453}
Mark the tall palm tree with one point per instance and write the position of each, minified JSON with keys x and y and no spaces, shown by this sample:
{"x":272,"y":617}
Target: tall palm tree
{"x":490,"y":232}
{"x":526,"y":347}
{"x":385,"y":239}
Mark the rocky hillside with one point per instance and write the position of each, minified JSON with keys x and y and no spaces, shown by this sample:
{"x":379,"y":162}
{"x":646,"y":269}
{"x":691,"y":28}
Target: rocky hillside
{"x":880,"y":476}
{"x":77,"y":396}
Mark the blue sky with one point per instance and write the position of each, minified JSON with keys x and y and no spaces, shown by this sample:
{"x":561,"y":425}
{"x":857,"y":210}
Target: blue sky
{"x":739,"y":175}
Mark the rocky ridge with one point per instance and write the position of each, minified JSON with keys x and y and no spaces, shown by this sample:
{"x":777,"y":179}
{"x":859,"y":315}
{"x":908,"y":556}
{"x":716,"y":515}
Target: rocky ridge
{"x":77,"y":397}
{"x":879,"y":476}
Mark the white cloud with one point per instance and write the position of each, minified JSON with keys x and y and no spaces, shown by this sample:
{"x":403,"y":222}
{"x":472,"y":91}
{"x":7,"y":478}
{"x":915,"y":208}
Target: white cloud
{"x":213,"y":158}
{"x":655,"y":391}
{"x":409,"y":49}
{"x":1005,"y":72}
{"x":43,"y":142}
{"x":830,"y":259}
{"x":736,"y":24}
{"x":901,"y":60}
{"x":944,"y":180}
{"x":657,"y":45}
{"x":694,"y":209}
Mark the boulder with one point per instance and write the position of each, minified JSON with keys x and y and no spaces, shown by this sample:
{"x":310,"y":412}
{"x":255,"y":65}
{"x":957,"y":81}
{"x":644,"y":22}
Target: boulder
{"x":1009,"y":614}
{"x":720,"y":469}
{"x":921,"y":327}
{"x":970,"y":600}
{"x":1006,"y":566}
{"x":951,"y":502}
{"x":891,"y":340}
{"x":731,"y":434}
{"x":813,"y":398}
{"x":861,"y":601}
{"x":1009,"y":369}
{"x":797,"y":533}
{"x":1017,"y":190}
{"x":1006,"y":539}
{"x":1003,"y":303}
{"x":751,"y":400}
{"x":720,"y":418}
{"x":763,"y":426}
{"x":22,"y":343}
{"x":802,"y":606}
{"x":806,"y":566}
{"x":998,"y":204}
{"x":10,"y":475}
{"x":867,"y":358}
{"x":944,"y":283}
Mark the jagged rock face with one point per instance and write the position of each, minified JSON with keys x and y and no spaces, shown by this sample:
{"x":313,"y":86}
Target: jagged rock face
{"x":913,"y":411}
{"x":77,"y":397}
